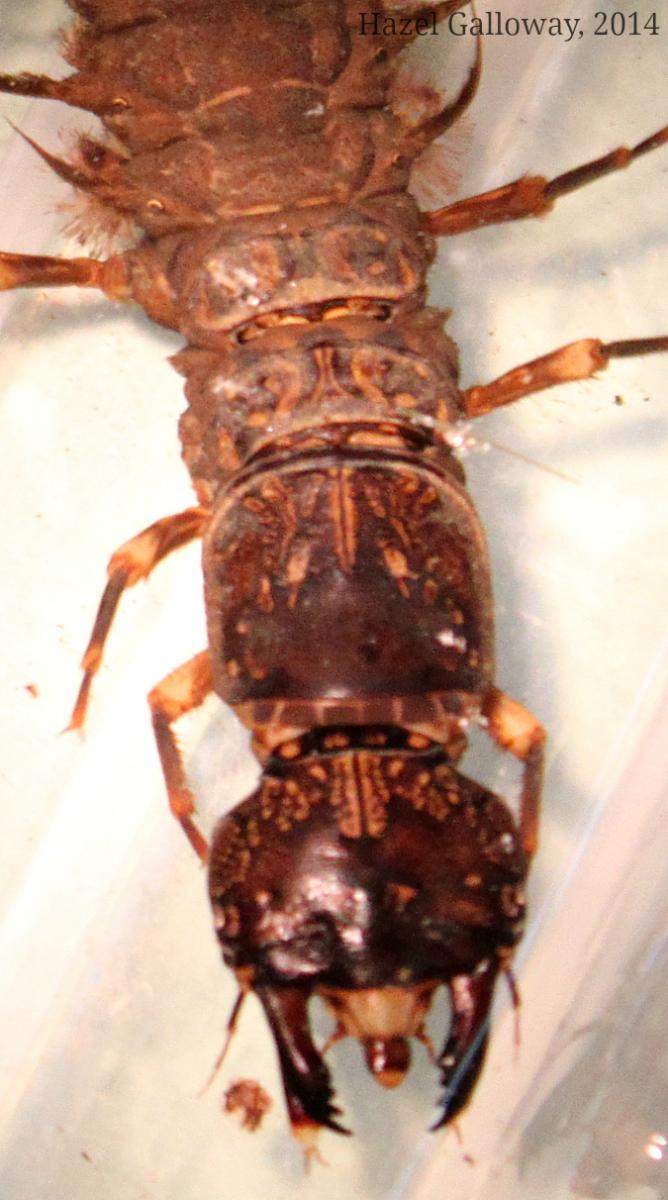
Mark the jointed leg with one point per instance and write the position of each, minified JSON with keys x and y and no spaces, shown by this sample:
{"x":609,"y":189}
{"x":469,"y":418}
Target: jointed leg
{"x":578,"y":360}
{"x":179,"y":693}
{"x":40,"y":270}
{"x":515,"y":729}
{"x":131,"y":562}
{"x":532,"y":195}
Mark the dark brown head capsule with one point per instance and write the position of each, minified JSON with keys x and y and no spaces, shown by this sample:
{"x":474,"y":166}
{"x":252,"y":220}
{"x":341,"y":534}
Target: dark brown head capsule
{"x":370,"y":878}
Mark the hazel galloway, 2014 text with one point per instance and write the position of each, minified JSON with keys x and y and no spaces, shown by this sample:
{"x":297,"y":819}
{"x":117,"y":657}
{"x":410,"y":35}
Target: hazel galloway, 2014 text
{"x":490,"y":23}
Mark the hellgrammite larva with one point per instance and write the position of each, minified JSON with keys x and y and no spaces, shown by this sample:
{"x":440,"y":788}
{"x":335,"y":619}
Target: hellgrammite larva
{"x":252,"y":148}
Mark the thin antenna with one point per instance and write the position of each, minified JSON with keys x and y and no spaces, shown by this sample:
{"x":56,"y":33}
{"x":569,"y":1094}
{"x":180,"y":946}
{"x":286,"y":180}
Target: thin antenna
{"x":533,"y":462}
{"x":229,"y":1034}
{"x":517,"y":1005}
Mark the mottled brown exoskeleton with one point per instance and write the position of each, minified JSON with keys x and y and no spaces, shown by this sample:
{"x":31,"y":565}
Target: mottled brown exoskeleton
{"x":347,"y":587}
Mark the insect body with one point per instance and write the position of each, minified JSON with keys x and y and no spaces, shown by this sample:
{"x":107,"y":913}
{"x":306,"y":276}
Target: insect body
{"x":347,"y":589}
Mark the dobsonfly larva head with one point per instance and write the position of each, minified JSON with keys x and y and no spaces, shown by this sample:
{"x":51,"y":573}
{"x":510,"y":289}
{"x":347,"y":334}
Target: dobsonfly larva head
{"x":369,"y":875}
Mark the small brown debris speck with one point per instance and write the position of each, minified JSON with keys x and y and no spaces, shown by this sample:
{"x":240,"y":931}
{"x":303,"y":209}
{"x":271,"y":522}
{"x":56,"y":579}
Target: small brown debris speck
{"x":250,"y":1100}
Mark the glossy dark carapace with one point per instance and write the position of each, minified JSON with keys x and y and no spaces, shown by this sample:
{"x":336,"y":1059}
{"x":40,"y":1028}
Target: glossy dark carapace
{"x":252,"y":152}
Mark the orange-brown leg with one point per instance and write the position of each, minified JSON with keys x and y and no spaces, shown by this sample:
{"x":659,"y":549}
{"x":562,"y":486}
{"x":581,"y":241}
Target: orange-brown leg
{"x":577,"y":360}
{"x":532,"y":195}
{"x":177,"y":694}
{"x":515,"y":729}
{"x":130,"y":563}
{"x":39,"y":270}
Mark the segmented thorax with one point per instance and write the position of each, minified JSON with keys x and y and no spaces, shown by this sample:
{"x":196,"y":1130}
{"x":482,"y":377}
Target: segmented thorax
{"x":282,"y":242}
{"x":349,"y":585}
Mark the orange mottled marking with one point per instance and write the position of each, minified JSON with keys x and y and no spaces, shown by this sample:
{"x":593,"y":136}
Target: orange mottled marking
{"x":344,"y":518}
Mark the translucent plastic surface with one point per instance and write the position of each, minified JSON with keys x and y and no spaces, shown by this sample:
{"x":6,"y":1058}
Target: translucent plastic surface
{"x":114,"y":1000}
